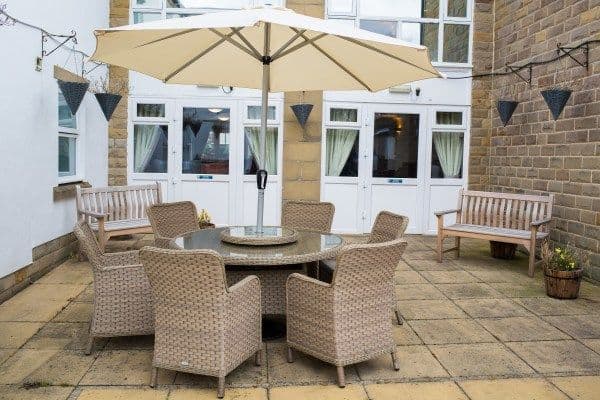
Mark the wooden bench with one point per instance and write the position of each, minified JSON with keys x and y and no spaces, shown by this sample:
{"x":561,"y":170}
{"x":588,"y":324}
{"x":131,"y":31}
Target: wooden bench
{"x":501,"y":217}
{"x":117,"y":210}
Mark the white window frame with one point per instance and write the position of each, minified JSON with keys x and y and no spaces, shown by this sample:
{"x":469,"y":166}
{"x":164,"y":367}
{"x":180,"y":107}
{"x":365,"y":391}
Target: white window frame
{"x":133,"y":120}
{"x":328,"y":124}
{"x":442,"y":21}
{"x":464,"y":129}
{"x":72,"y":133}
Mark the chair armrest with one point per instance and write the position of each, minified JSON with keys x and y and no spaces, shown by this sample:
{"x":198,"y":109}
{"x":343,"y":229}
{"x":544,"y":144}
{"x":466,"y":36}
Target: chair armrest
{"x":122,"y":258}
{"x":243,"y":315}
{"x":244,"y":284}
{"x":541,"y":222}
{"x":93,"y":214}
{"x":303,"y":278}
{"x":440,"y":213}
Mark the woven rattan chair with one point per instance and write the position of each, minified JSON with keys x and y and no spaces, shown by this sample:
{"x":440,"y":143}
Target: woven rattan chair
{"x":387,"y":227}
{"x":309,"y":215}
{"x":122,"y":296}
{"x":170,"y":220}
{"x":346,"y":321}
{"x":202,"y":326}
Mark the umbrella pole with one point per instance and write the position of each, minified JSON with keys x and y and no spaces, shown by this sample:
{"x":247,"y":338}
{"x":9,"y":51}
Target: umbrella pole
{"x":266,"y":61}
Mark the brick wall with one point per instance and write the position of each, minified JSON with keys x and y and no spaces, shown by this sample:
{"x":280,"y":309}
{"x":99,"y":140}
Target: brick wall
{"x":534,"y":153}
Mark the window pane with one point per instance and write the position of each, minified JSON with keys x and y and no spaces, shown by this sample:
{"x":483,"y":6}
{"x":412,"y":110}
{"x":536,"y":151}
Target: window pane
{"x":457,"y":8}
{"x":148,"y":4}
{"x":411,"y":32}
{"x":396,"y":146}
{"x":431,"y":9}
{"x":65,"y":118}
{"x":447,"y":155}
{"x":205,"y":4}
{"x":151,"y":110}
{"x":251,"y":146}
{"x":150,"y":148}
{"x":205,"y":146}
{"x":448,"y":118}
{"x":429,"y":38}
{"x":396,"y":8}
{"x":388,"y":28}
{"x":343,"y":115}
{"x":340,"y":7}
{"x":66,"y":156}
{"x":254,"y":112}
{"x":456,"y":43}
{"x":341,"y":158}
{"x":139,"y":17}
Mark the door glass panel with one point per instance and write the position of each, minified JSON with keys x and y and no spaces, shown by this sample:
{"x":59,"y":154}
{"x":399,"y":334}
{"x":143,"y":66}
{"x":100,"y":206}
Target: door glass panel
{"x":251,"y":146}
{"x":341,"y":157}
{"x":205,"y":144}
{"x":150,"y":148}
{"x":395,"y":145}
{"x":447,"y":155}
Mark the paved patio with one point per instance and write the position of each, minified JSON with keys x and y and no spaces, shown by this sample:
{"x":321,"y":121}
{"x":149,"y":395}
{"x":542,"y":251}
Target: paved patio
{"x":477,"y":328}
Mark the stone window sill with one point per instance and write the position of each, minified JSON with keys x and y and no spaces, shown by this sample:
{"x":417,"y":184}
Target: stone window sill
{"x":66,"y":190}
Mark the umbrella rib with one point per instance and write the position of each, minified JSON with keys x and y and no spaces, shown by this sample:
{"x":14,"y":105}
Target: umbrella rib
{"x":336,"y":62}
{"x":287,"y":44}
{"x":385,"y":53}
{"x":202,"y":54}
{"x":299,"y":45}
{"x":167,"y":37}
{"x":250,"y":46}
{"x":228,"y":39}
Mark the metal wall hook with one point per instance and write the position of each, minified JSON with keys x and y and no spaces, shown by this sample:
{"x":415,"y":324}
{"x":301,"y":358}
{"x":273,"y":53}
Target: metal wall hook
{"x":517,"y":71}
{"x":45,"y":36}
{"x":585,"y":49}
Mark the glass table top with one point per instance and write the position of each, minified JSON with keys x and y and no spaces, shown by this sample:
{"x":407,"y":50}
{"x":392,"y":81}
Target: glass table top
{"x":309,"y":246}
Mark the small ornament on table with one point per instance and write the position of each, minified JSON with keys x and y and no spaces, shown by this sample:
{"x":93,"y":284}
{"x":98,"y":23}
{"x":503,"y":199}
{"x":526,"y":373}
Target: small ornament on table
{"x":204,"y":219}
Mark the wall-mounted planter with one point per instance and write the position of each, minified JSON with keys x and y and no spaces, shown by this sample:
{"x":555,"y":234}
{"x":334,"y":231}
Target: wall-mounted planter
{"x":302,"y":112}
{"x":506,"y":108}
{"x":556,"y":99}
{"x":108,"y":103}
{"x":73,"y":93}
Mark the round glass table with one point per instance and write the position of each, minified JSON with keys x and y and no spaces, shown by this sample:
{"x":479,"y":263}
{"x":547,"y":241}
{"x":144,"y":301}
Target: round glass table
{"x":271,"y":263}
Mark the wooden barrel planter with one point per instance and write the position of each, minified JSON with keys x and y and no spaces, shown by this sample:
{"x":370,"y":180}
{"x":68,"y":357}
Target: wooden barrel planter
{"x":562,"y":284}
{"x":503,"y":251}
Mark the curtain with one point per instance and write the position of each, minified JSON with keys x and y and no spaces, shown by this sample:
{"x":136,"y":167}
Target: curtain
{"x":146,"y":138}
{"x":449,"y":148}
{"x":343,"y":114}
{"x":339,"y":145}
{"x":253,"y":134}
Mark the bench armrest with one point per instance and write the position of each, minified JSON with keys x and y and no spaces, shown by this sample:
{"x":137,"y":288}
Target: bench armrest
{"x":440,"y":213}
{"x":541,"y":222}
{"x":93,"y":214}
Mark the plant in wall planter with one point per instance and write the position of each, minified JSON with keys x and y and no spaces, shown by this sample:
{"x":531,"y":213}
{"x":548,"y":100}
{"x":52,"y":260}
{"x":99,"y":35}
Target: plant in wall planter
{"x":562,"y":272}
{"x":109,"y":94}
{"x":556,"y":98}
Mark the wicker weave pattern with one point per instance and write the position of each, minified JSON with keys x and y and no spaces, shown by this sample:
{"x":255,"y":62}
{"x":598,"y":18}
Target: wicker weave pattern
{"x":170,"y":220}
{"x":309,"y":215}
{"x":387,"y":227}
{"x":202,"y":326}
{"x":346,"y":321}
{"x":122,"y":297}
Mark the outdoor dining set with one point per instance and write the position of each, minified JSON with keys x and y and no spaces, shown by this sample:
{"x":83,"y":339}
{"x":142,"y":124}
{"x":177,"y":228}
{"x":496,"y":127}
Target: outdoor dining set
{"x":203,"y":293}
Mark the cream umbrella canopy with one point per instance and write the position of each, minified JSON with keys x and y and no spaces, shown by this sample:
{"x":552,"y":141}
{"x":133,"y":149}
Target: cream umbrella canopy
{"x":271,"y":49}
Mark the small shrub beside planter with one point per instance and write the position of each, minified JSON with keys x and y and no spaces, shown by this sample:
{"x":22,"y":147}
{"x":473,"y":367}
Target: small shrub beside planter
{"x":562,"y":272}
{"x":109,"y":95}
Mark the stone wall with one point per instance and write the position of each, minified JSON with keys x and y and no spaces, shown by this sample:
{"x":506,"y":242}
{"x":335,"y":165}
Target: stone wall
{"x":117,"y":127}
{"x":534,"y":153}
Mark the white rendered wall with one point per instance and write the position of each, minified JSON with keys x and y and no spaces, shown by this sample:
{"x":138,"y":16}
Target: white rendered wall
{"x":29,"y":125}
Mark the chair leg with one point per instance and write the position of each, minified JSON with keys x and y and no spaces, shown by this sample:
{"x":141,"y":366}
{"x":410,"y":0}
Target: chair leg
{"x":154,"y":377}
{"x":89,"y":346}
{"x":221,"y":387}
{"x":258,"y":358}
{"x":399,"y":318}
{"x":531,"y":260}
{"x":440,"y":244}
{"x":341,"y":377}
{"x":290,"y":355}
{"x":457,"y":245}
{"x":395,"y":361}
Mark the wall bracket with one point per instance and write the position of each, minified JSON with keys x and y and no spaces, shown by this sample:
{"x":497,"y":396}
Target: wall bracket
{"x":585,"y":48}
{"x":517,"y":71}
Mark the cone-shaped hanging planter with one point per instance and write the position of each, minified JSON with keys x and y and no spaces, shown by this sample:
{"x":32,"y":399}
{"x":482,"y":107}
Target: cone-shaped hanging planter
{"x":73,"y":93}
{"x":302,"y":111}
{"x":556,"y":99}
{"x":506,"y":108}
{"x":108,"y":103}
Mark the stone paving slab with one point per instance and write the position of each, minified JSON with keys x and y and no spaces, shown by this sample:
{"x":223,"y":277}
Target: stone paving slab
{"x":505,"y":389}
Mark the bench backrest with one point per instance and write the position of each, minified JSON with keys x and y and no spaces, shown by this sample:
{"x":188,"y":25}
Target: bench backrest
{"x":119,"y":202}
{"x":502,"y":210}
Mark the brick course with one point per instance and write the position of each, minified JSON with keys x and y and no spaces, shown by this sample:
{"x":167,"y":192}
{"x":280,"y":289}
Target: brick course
{"x":534,"y":153}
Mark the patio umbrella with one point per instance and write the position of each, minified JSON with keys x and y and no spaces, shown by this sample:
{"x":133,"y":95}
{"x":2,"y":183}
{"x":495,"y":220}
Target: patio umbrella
{"x":266,"y":48}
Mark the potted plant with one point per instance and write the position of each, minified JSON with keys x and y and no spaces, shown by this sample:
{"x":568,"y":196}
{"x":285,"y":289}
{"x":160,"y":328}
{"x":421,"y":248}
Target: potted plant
{"x":204,"y":220}
{"x":562,"y":272}
{"x":109,"y":94}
